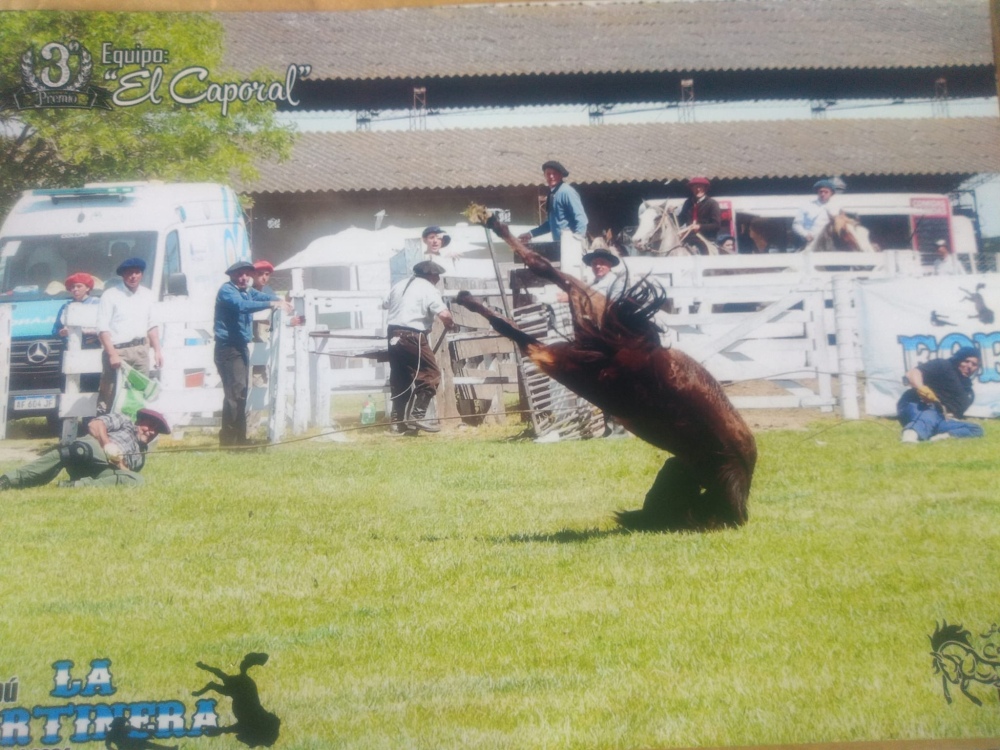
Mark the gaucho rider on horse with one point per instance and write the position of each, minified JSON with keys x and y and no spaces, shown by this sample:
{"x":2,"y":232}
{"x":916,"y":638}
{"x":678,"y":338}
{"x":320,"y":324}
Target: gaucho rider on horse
{"x":700,"y":218}
{"x":814,"y":216}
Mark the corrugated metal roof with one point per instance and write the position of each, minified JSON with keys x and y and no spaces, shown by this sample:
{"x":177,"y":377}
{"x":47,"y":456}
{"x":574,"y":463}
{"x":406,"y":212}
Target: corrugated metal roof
{"x":412,"y":160}
{"x":597,"y":37}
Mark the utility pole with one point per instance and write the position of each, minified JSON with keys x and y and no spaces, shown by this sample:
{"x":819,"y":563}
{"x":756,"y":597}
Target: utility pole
{"x":418,"y":114}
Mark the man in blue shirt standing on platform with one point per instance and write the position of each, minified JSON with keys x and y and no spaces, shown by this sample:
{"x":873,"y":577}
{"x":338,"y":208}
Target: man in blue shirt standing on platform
{"x":566,"y":219}
{"x":234,"y":306}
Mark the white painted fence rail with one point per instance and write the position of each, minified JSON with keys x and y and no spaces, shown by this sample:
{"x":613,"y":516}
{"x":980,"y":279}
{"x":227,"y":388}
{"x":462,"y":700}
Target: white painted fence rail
{"x":745,"y":317}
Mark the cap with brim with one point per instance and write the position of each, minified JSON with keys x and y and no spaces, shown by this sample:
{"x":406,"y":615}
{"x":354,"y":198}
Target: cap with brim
{"x":80,"y":278}
{"x":722,"y":238}
{"x":155,"y":418}
{"x":427,"y":268}
{"x":264,"y":265}
{"x":445,"y":239}
{"x":703,"y":181}
{"x":240,"y":265}
{"x":828,"y":184}
{"x":607,"y":255}
{"x":125,"y":265}
{"x":556,"y":166}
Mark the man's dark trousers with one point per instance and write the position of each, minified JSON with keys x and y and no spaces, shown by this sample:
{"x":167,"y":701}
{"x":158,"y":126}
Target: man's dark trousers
{"x":232,"y":364}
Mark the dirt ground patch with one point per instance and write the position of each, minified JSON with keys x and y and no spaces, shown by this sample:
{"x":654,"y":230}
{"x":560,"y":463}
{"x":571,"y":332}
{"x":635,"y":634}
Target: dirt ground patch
{"x":778,"y":419}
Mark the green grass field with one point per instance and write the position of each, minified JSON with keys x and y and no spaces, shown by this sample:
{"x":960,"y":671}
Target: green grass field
{"x":467,"y":590}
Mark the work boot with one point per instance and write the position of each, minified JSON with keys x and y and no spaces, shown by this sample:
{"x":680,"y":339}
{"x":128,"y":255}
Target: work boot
{"x":397,"y":420}
{"x":418,"y":414}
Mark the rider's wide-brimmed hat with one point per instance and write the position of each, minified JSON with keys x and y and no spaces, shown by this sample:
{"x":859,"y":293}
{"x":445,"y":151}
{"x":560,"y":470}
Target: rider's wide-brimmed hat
{"x":607,"y":255}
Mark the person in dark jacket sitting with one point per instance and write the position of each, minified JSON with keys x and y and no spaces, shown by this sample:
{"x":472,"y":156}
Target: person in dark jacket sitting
{"x":940,"y":393}
{"x":700,"y":215}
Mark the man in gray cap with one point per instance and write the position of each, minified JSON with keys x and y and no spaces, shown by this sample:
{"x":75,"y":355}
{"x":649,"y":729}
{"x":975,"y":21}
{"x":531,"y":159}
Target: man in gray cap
{"x":813,"y":217}
{"x":235,"y":304}
{"x":414,"y":374}
{"x":435,"y":240}
{"x":111,"y":454}
{"x":126,"y":329}
{"x":566,"y":219}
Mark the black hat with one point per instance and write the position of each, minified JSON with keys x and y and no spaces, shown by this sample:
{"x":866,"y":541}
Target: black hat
{"x":609,"y":256}
{"x":155,"y":418}
{"x":445,"y":239}
{"x":556,"y":166}
{"x":130,"y":263}
{"x":240,"y":265}
{"x":427,"y":268}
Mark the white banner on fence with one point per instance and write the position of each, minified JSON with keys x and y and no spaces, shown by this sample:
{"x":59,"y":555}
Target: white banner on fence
{"x":904,"y":322}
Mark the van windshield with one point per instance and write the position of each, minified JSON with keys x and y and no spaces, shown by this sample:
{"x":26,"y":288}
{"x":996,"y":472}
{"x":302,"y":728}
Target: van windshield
{"x":37,"y":267}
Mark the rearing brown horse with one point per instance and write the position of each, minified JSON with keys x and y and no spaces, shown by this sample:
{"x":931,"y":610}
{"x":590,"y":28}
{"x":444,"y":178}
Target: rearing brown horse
{"x":615,"y":361}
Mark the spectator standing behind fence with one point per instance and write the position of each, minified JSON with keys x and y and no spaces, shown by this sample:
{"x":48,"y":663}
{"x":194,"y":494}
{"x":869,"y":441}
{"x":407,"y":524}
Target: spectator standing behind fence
{"x":414,"y":374}
{"x":940,"y":393}
{"x":79,"y":286}
{"x":111,"y":454}
{"x":567,"y":221}
{"x":235,"y":304}
{"x":126,"y":329}
{"x":947,"y":263}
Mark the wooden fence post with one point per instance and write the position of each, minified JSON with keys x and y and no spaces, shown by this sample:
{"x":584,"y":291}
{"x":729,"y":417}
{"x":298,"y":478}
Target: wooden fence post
{"x":846,"y":321}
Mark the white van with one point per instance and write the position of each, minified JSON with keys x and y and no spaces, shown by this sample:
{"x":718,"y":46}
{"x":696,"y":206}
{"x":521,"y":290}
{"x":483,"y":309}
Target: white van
{"x":188,"y":234}
{"x":895,"y":221}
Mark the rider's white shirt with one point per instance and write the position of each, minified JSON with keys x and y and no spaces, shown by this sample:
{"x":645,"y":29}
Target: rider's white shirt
{"x":814,"y":216}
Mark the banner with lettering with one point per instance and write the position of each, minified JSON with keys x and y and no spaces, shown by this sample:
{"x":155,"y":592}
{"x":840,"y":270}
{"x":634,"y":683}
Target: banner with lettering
{"x":904,"y":322}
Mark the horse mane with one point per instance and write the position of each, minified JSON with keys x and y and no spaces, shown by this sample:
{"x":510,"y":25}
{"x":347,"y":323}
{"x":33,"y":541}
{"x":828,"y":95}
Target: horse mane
{"x":946,"y":633}
{"x":627,"y":319}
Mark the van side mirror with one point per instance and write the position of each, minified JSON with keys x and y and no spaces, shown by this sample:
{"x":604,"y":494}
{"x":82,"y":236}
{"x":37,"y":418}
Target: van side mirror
{"x":177,"y":285}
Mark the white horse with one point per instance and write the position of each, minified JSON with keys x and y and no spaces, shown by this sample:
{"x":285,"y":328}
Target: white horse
{"x":659,"y":234}
{"x":842,"y":233}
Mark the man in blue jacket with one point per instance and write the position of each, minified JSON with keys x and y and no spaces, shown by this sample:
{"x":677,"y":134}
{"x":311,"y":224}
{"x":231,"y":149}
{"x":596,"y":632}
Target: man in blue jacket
{"x":235,"y":304}
{"x":566,"y":219}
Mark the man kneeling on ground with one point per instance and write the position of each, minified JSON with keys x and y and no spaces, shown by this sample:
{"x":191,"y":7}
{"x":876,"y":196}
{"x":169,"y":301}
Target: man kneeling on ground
{"x":112,"y":454}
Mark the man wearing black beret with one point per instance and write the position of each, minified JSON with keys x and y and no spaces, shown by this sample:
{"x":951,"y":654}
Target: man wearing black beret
{"x":567,"y":221}
{"x":414,"y":374}
{"x":126,"y":329}
{"x":235,"y":303}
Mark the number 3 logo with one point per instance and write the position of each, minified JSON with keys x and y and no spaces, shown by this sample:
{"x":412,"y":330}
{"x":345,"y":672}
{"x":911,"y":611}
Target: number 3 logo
{"x":60,"y":63}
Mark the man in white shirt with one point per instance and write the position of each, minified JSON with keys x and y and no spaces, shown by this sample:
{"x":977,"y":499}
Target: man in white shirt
{"x":813,"y":217}
{"x":126,"y":330}
{"x":947,"y":263}
{"x":414,"y":374}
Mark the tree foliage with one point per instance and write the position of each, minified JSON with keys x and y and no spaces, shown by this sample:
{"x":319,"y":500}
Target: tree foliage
{"x":166,"y":141}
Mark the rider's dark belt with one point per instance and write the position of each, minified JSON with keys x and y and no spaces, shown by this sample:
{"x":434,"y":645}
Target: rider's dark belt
{"x":403,"y":329}
{"x":133,"y":342}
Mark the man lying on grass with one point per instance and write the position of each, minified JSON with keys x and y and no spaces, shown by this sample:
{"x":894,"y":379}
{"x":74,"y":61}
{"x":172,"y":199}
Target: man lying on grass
{"x":940,"y":392}
{"x":112,"y":454}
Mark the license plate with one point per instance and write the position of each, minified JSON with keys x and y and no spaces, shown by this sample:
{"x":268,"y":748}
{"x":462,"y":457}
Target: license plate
{"x":31,"y":403}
